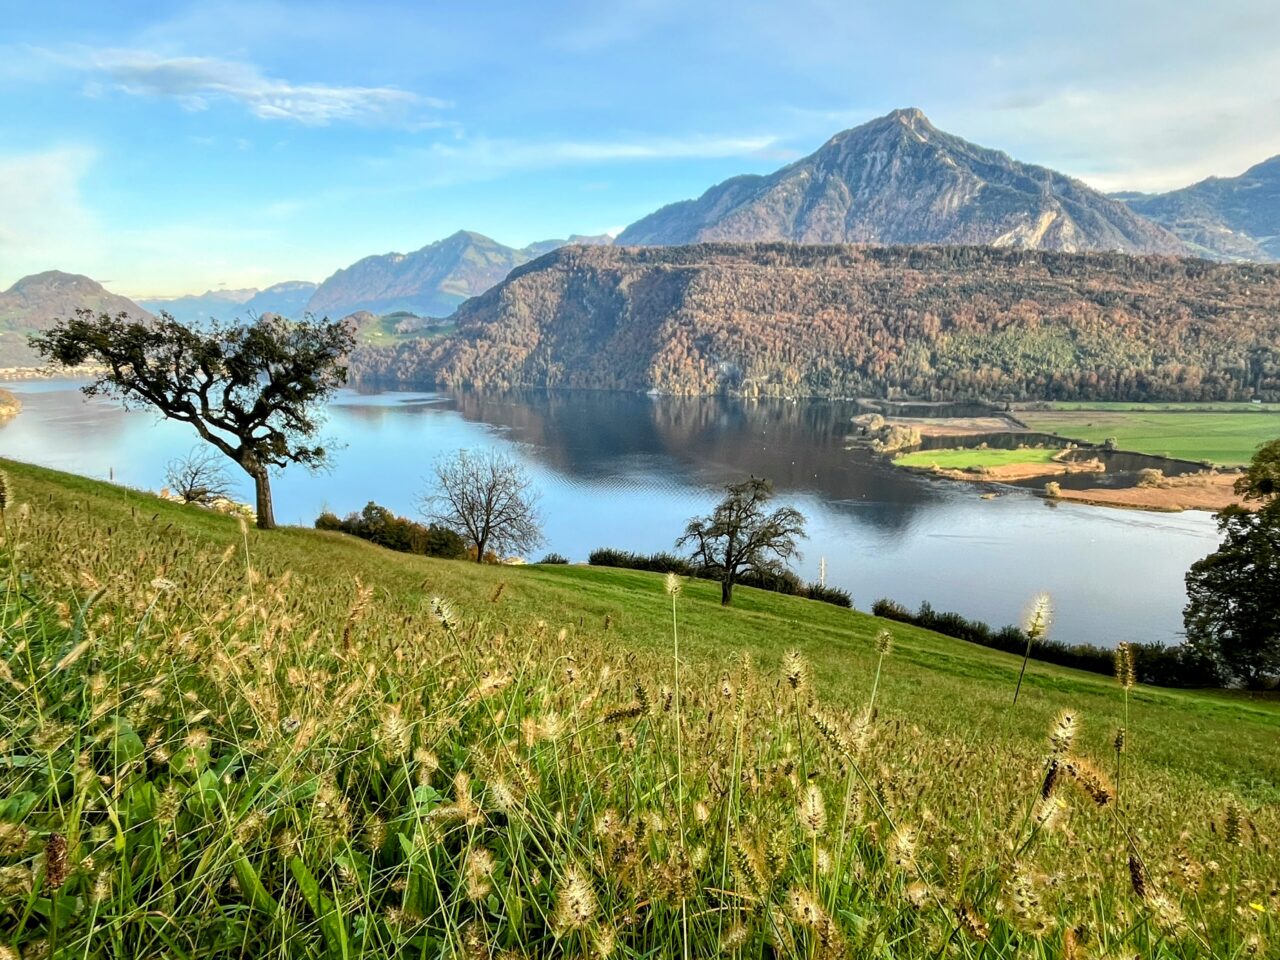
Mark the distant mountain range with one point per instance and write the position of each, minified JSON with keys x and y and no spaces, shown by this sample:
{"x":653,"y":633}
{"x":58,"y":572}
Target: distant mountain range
{"x":34,"y":303}
{"x":781,"y":319}
{"x":895,"y":180}
{"x":1223,"y":218}
{"x":289,"y":299}
{"x":899,"y":179}
{"x":430,"y":282}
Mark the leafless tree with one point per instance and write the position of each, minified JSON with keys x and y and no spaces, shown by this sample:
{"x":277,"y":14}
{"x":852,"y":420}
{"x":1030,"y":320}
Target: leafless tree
{"x":198,"y":477}
{"x":739,"y":536}
{"x":488,"y":498}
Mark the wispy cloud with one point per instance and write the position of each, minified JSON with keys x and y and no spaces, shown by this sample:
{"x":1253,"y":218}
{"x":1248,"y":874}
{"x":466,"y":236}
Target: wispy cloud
{"x":479,"y":158}
{"x":198,"y":82}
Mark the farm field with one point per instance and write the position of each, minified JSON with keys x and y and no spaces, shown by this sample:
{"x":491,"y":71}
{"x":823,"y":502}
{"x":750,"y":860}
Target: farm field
{"x":228,"y":742}
{"x":1224,"y":438}
{"x":974,"y":458}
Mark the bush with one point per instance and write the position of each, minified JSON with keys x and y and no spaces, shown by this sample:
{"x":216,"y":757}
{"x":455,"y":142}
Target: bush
{"x":379,"y":525}
{"x":818,"y":591}
{"x":558,"y":559}
{"x":1150,"y":477}
{"x":1155,"y":664}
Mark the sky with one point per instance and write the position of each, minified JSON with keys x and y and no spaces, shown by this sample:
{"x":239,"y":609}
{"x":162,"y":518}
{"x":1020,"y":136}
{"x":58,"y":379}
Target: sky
{"x":170,"y":147}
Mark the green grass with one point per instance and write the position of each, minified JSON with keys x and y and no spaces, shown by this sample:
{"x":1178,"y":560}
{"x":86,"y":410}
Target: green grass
{"x":278,"y":744}
{"x":1210,"y":406}
{"x":1227,"y":439}
{"x":973,"y":458}
{"x":381,"y":332}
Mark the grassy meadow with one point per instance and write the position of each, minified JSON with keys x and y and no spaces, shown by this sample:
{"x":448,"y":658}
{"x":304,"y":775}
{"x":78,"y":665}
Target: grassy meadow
{"x":1228,"y":434}
{"x":974,"y":458}
{"x":221,"y":742}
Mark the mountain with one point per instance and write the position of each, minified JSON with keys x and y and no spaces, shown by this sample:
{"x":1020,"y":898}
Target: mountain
{"x":289,"y":299}
{"x":430,"y":282}
{"x":1225,"y":218}
{"x":199,"y":308}
{"x":899,"y":179}
{"x":785,"y":320}
{"x":33,"y":304}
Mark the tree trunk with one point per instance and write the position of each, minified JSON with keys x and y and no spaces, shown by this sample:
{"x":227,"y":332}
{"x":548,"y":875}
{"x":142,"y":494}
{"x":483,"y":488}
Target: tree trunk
{"x":262,"y":490}
{"x":480,"y":551}
{"x":726,"y":591}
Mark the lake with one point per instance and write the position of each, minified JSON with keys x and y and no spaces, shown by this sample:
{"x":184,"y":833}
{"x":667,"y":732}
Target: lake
{"x":628,"y":471}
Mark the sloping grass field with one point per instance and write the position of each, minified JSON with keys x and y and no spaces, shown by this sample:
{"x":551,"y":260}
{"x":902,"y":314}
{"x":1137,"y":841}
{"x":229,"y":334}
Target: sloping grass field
{"x":222,"y":742}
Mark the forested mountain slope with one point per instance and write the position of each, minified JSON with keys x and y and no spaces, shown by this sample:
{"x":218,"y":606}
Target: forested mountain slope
{"x":780,"y":319}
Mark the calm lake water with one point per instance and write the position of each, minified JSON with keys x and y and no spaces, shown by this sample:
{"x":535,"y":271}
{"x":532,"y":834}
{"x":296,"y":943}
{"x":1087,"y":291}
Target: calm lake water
{"x":628,"y":471}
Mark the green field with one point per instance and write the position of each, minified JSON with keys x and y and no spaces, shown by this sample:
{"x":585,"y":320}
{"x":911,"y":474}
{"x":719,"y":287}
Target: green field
{"x":1183,"y":407}
{"x":381,"y":332}
{"x":226,"y":742}
{"x":1226,"y":439}
{"x":962,"y":458}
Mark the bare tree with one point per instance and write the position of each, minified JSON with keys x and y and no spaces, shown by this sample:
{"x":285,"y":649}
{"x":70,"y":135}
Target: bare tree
{"x":739,"y":536}
{"x":198,"y":477}
{"x":488,"y":498}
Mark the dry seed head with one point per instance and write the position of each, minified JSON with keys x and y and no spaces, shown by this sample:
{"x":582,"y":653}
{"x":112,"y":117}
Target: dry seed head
{"x":884,"y":642}
{"x":1231,"y":823}
{"x":479,"y":869}
{"x":1063,"y":733}
{"x":444,"y":612}
{"x":796,"y":669}
{"x":575,"y":901}
{"x":902,"y":848}
{"x":394,"y":734}
{"x":1038,"y":617}
{"x":671,"y":583}
{"x":812,"y":811}
{"x":972,"y":924}
{"x":1125,"y":672}
{"x":804,"y":908}
{"x":735,"y":937}
{"x":56,"y":867}
{"x":1137,"y":876}
{"x":1089,"y":779}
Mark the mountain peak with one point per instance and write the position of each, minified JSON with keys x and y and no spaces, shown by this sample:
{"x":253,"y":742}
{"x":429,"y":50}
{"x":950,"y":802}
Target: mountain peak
{"x":56,"y":279}
{"x":36,"y":302}
{"x":898,"y":179}
{"x":908,"y":116}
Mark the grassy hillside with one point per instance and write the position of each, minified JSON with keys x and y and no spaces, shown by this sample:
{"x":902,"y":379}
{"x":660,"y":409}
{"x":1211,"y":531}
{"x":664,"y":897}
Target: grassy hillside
{"x":226,"y":742}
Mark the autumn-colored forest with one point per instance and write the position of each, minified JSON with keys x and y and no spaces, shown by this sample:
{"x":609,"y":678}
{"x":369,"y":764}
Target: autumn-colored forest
{"x":934,"y":322}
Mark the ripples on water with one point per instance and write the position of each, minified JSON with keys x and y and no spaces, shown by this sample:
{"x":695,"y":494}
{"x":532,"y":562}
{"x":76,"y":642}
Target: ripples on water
{"x":628,"y":471}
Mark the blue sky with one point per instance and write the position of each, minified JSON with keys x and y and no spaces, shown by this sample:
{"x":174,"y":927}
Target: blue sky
{"x":164,"y":148}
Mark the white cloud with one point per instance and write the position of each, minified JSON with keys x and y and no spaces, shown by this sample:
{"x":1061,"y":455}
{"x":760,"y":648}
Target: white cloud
{"x":197,"y":82}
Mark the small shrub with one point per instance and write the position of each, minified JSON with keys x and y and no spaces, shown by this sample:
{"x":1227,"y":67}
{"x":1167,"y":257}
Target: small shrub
{"x":826,"y":594}
{"x":379,"y":525}
{"x":557,"y":559}
{"x":1150,"y":477}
